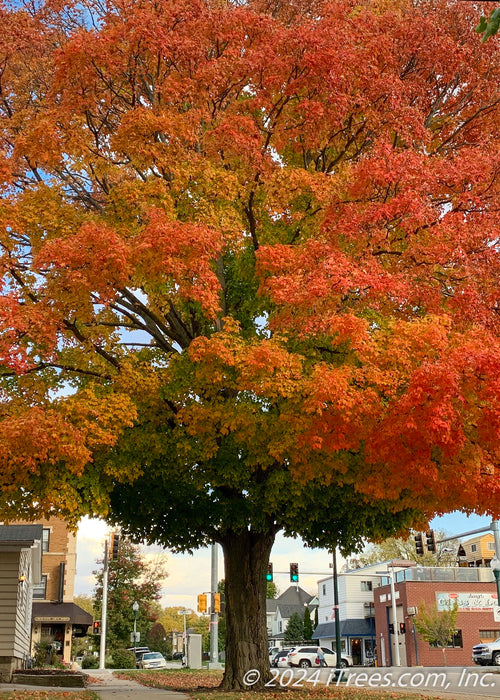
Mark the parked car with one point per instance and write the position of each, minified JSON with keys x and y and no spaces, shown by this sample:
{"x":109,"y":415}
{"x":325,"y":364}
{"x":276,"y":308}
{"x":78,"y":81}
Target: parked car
{"x":305,"y":657}
{"x":152,"y":659}
{"x":272,"y":652}
{"x":487,"y":654}
{"x":280,"y":660}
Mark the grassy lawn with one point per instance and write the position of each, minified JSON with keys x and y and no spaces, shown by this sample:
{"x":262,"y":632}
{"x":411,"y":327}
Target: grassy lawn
{"x":72,"y":694}
{"x":202,"y":685}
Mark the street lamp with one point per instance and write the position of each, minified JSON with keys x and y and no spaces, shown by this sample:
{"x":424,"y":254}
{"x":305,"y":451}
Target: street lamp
{"x":495,"y":567}
{"x":135,"y":608}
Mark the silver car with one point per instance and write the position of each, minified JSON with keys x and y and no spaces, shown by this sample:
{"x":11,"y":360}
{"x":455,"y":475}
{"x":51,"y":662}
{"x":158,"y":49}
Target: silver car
{"x":152,"y":659}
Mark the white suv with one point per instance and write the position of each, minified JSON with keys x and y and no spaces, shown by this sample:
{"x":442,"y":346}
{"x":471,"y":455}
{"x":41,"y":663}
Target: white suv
{"x":305,"y":657}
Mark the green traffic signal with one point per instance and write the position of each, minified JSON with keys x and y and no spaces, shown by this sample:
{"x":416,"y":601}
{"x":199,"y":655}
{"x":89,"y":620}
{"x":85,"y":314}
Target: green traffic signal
{"x":294,"y":572}
{"x":269,"y":575}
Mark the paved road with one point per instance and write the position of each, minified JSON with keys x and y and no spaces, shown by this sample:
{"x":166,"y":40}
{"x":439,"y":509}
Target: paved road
{"x":466,"y":682}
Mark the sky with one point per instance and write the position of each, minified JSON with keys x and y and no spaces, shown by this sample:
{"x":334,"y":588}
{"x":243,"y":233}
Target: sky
{"x":189,"y":575}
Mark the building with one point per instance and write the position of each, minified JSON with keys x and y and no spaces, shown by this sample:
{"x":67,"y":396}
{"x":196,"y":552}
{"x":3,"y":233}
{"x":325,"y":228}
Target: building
{"x":20,"y":570}
{"x":356,"y":612}
{"x":280,"y":609}
{"x":473,"y":589}
{"x":55,"y":618}
{"x":479,"y":551}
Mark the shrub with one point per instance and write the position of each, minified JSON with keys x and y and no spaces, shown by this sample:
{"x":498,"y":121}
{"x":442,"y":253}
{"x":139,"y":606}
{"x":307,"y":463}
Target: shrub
{"x":43,"y":654}
{"x":123,"y":658}
{"x":90,"y":662}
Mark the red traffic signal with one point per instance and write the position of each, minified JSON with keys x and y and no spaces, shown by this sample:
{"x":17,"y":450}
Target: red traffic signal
{"x":96,"y":627}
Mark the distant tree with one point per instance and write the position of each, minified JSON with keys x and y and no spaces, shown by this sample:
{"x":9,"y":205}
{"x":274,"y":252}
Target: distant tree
{"x":85,"y":602}
{"x":308,"y":627}
{"x":316,"y":621}
{"x":436,"y":627}
{"x":157,"y":639}
{"x":131,"y":578}
{"x":404,"y":548}
{"x":295,"y":628}
{"x":272,"y":590}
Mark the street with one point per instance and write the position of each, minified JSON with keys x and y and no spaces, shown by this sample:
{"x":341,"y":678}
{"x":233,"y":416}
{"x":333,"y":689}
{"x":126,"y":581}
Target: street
{"x":474,"y":681}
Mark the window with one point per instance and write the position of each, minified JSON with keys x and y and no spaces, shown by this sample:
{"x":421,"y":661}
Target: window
{"x":456,"y":642}
{"x":491,"y":546}
{"x":324,"y":589}
{"x":473,"y":548}
{"x":367,"y":585}
{"x":45,"y":539}
{"x":489,"y":634}
{"x":40,"y":589}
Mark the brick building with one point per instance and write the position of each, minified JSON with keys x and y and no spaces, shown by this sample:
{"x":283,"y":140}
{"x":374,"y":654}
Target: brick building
{"x":55,"y":617}
{"x":473,"y":589}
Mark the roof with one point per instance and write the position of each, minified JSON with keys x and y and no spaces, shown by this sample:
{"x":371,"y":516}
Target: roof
{"x":61,"y":612}
{"x":271,"y":605}
{"x":286,"y":611}
{"x":20,"y":534}
{"x":294,"y":595}
{"x":354,"y":627}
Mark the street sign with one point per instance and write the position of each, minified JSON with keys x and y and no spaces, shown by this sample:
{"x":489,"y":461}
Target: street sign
{"x":135,"y":637}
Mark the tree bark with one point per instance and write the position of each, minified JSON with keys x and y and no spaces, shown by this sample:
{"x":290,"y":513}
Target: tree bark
{"x":246,"y":555}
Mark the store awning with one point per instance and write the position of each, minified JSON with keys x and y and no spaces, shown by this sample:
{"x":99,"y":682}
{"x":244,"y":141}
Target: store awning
{"x":61,"y":612}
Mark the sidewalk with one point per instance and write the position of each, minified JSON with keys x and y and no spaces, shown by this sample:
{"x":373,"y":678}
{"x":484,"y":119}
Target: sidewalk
{"x":107,"y":687}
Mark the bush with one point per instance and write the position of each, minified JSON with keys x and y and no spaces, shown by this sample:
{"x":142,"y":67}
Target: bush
{"x":90,"y":662}
{"x":123,"y":658}
{"x":43,"y":654}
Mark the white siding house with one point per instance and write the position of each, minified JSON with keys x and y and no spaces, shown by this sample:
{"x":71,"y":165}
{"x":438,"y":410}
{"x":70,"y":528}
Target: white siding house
{"x":20,"y":569}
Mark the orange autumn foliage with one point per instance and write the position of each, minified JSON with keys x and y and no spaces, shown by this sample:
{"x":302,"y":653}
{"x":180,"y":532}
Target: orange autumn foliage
{"x":249,"y":270}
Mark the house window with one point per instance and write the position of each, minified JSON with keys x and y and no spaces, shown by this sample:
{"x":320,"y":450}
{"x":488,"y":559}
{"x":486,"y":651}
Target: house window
{"x":45,"y":539}
{"x":491,"y":546}
{"x":40,"y":589}
{"x":366,"y":585}
{"x":473,"y":548}
{"x":455,"y":642}
{"x":324,"y":589}
{"x":280,"y":626}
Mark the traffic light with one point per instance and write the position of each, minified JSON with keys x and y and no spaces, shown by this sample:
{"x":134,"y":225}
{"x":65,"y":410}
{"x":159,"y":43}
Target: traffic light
{"x":391,"y":628}
{"x":294,"y":572}
{"x":115,"y":543}
{"x":216,"y":603}
{"x":419,"y":544}
{"x":269,"y":575}
{"x":402,"y":628}
{"x":202,"y":603}
{"x":430,"y":541}
{"x":96,"y":627}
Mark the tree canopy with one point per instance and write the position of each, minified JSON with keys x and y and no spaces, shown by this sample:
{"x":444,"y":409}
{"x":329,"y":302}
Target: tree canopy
{"x":249,"y":274}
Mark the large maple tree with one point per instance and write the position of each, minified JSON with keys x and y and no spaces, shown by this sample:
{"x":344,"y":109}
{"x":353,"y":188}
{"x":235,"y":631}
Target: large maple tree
{"x":249,"y":274}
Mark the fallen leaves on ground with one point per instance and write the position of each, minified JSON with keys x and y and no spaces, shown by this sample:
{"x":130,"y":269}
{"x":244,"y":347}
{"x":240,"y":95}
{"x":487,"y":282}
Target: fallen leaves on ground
{"x":49,"y":695}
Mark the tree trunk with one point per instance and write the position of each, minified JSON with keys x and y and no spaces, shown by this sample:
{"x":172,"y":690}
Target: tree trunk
{"x":246,"y":555}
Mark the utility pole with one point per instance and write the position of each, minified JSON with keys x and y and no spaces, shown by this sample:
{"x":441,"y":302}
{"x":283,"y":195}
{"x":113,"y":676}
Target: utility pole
{"x":104,"y":610}
{"x":214,"y":616}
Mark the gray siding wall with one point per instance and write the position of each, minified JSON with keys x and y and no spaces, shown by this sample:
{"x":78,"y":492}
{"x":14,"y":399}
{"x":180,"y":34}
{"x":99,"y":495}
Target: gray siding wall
{"x":15,"y":601}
